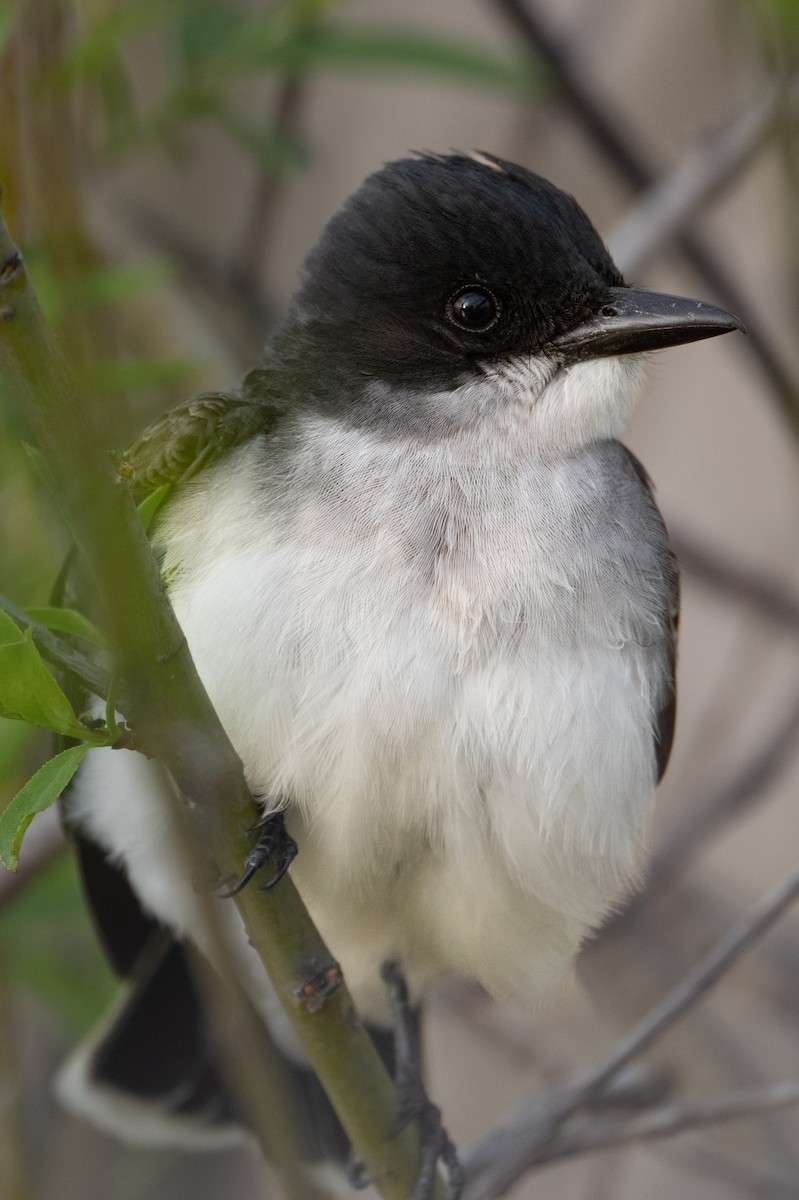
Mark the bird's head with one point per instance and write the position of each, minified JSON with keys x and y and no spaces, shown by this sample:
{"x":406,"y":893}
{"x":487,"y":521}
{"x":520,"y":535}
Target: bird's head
{"x":450,"y":288}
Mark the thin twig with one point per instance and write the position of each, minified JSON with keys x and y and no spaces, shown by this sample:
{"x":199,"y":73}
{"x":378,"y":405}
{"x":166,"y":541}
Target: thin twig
{"x":737,"y":1174}
{"x":672,"y":1119}
{"x":240,"y":319}
{"x":617,"y":143}
{"x":706,"y":818}
{"x":494,"y":1164}
{"x":766,"y":597}
{"x":671,"y":202}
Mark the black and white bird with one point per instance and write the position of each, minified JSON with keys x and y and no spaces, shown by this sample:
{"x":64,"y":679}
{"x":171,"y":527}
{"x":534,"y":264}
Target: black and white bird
{"x":433,"y":601}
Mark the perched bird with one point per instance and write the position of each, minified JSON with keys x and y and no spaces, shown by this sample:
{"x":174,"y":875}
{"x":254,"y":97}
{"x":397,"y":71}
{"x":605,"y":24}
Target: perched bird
{"x":434,"y":604}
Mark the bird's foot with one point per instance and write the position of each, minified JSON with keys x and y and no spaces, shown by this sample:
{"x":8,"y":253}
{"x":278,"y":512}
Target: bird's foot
{"x":414,"y":1103}
{"x":274,"y":845}
{"x":357,"y":1175}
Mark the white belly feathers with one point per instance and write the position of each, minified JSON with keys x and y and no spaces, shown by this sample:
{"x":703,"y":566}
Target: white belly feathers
{"x":441,"y":699}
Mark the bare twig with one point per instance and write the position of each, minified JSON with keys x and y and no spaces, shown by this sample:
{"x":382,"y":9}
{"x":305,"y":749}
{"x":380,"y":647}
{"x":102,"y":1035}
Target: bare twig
{"x":670,"y":204}
{"x":694,"y":985}
{"x":707,"y":817}
{"x":768,"y":599}
{"x":672,"y":1119}
{"x":240,"y":318}
{"x":494,"y":1164}
{"x":617,"y":143}
{"x":738,"y":1174}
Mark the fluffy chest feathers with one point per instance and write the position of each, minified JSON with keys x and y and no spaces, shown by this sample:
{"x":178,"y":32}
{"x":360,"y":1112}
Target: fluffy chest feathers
{"x":432,"y":654}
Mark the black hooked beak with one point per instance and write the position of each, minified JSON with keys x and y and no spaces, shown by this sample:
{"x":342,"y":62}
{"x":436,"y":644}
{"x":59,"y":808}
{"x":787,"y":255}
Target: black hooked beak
{"x":631,"y":321}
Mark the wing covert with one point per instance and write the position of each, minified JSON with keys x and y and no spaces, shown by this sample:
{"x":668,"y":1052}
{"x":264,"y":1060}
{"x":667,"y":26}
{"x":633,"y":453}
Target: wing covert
{"x":188,"y":438}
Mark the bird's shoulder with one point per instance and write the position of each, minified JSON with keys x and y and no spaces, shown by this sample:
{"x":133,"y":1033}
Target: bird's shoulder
{"x":193,"y":436}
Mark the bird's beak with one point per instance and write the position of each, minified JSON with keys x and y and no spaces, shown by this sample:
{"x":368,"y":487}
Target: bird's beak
{"x":631,"y":321}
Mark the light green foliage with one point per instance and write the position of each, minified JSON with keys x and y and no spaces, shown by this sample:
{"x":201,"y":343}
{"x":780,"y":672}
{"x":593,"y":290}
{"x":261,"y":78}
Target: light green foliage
{"x":209,"y":46}
{"x":41,"y":790}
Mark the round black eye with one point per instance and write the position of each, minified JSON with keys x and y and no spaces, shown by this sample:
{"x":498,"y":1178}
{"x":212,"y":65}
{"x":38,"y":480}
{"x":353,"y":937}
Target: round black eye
{"x":474,"y":309}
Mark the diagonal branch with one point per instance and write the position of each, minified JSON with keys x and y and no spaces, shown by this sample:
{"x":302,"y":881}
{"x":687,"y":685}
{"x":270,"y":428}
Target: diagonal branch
{"x":671,"y":1119}
{"x":260,"y":225}
{"x":672,"y":201}
{"x":765,"y":596}
{"x":172,"y":717}
{"x":610,"y":134}
{"x":708,"y":816}
{"x":494,"y":1164}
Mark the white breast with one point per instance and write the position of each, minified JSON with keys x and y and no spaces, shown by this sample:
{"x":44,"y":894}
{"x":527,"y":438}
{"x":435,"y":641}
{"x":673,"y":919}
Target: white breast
{"x":445,"y":674}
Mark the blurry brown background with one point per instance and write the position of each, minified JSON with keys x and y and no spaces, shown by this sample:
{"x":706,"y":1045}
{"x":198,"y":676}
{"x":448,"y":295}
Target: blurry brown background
{"x":711,"y":428}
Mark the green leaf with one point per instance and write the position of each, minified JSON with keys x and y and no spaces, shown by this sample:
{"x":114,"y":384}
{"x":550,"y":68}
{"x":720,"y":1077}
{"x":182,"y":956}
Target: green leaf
{"x":151,"y":504}
{"x":29,"y":692}
{"x":37,"y":794}
{"x":9,"y":630}
{"x":67,"y":620}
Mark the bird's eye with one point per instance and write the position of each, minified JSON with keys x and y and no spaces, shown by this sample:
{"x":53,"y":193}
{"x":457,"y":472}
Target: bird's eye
{"x":473,"y":309}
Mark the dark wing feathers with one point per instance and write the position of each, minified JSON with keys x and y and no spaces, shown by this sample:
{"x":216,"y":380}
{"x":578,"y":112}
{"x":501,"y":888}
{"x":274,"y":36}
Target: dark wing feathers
{"x":666,"y":714}
{"x":190,"y":437}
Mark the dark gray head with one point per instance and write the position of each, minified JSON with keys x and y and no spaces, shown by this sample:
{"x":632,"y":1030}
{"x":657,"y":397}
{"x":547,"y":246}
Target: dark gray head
{"x":441,"y":267}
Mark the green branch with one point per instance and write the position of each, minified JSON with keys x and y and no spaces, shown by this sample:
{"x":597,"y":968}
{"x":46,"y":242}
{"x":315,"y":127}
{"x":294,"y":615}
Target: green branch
{"x":172,"y":718}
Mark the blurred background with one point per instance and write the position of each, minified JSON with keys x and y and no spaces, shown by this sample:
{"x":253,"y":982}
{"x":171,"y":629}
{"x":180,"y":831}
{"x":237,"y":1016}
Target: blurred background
{"x":166,"y":166}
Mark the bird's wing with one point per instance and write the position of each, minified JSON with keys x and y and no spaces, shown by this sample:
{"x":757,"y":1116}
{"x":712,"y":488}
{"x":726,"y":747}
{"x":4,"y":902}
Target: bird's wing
{"x":665,"y":716}
{"x":191,"y":436}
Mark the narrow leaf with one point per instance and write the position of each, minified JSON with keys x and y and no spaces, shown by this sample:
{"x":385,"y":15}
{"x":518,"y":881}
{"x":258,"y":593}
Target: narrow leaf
{"x":151,"y":504}
{"x":9,"y":630}
{"x":67,"y":620}
{"x":38,"y":794}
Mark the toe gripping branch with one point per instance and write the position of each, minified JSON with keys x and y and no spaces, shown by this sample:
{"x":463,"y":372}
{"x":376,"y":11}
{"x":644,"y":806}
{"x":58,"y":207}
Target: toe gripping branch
{"x":274,"y":845}
{"x":414,"y":1103}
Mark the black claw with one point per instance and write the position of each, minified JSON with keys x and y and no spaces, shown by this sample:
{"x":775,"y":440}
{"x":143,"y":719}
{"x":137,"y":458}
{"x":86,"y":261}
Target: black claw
{"x":357,"y":1177}
{"x":273,"y":844}
{"x":414,"y":1103}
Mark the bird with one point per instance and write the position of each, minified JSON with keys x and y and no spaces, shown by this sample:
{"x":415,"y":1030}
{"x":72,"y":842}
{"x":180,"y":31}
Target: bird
{"x":433,"y":600}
